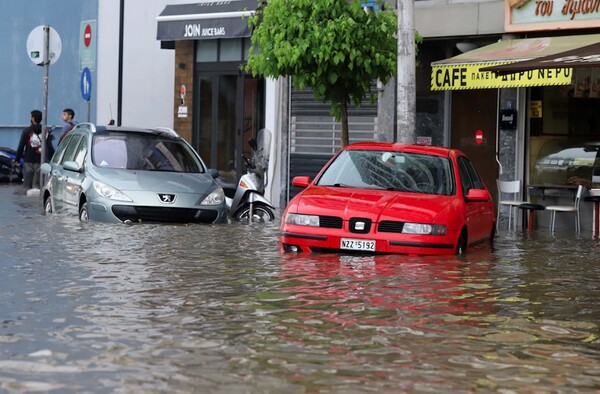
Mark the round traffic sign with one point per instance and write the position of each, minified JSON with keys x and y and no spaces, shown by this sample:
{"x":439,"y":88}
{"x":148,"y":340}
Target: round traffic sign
{"x":86,"y":84}
{"x":87,"y":35}
{"x":479,"y":136}
{"x":36,"y":48}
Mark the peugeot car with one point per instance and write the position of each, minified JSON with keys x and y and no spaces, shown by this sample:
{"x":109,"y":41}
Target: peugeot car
{"x":131,"y":175}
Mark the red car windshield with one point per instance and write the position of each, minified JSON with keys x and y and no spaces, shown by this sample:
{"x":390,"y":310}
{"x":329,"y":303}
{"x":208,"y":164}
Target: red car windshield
{"x":390,"y":170}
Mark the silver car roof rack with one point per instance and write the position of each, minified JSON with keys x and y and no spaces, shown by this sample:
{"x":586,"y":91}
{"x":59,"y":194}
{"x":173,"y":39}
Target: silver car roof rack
{"x":89,"y":124}
{"x":167,"y":130}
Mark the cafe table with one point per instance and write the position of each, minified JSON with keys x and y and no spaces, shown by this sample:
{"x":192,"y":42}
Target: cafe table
{"x":595,"y":198}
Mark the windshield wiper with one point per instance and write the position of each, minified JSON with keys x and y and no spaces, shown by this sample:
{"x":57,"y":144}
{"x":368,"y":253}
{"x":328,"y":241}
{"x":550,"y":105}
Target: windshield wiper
{"x":341,"y":185}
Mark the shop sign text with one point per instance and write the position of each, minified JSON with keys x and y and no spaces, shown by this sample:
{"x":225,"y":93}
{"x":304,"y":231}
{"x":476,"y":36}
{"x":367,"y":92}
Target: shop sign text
{"x":196,"y":30}
{"x":526,"y":14}
{"x":468,"y":76}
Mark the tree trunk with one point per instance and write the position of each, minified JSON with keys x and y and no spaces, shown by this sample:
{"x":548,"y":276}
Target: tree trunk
{"x":344,"y":134}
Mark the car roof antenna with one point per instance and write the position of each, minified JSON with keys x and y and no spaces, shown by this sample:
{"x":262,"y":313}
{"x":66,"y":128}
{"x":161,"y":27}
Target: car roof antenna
{"x":112,"y":121}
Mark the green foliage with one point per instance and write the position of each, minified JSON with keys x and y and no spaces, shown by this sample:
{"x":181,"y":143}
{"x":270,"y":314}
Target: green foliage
{"x":333,"y":46}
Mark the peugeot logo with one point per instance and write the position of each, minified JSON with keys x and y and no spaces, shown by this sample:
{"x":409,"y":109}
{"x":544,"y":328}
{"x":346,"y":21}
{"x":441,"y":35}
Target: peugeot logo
{"x":166,"y":198}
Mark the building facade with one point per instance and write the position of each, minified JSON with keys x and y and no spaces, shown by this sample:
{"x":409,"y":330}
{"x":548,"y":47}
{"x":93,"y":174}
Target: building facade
{"x":539,"y":125}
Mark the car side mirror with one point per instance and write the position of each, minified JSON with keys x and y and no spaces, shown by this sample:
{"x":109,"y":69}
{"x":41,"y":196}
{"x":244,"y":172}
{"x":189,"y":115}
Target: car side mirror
{"x":478,"y":195}
{"x":72,"y":166}
{"x":301,"y":181}
{"x":213,"y":172}
{"x":45,"y":168}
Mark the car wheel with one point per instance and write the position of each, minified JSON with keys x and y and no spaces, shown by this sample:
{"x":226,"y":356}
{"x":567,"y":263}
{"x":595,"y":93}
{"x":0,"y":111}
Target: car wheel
{"x":461,"y":245}
{"x":260,"y":214}
{"x":47,"y":205}
{"x":493,"y":233}
{"x":83,"y":213}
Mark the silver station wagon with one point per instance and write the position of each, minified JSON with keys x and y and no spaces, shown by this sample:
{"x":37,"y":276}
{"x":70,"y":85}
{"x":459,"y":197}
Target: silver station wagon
{"x":131,"y":175}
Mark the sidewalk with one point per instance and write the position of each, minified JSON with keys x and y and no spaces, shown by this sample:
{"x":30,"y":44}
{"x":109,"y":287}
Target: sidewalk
{"x":16,"y":202}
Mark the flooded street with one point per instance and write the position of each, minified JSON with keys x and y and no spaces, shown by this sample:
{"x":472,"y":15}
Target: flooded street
{"x":110,"y":308}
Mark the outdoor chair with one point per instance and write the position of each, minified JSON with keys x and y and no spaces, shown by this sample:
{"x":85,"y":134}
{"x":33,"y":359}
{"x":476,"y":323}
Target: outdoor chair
{"x":513,"y":190}
{"x":567,"y":208}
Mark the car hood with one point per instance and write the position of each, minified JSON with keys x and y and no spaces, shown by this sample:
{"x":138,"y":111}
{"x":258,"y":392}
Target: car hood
{"x":128,"y":180}
{"x":376,"y":205}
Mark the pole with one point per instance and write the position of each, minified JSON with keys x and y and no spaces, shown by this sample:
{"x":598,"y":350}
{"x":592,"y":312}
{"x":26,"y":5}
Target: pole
{"x":46,"y":64}
{"x":406,"y":81}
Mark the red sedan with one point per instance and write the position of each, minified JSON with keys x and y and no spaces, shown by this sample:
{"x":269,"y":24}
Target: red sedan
{"x":390,"y":198}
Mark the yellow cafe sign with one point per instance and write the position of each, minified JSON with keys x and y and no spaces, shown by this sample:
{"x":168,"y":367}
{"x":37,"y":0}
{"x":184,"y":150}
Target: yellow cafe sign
{"x":470,"y":70}
{"x":469,"y":76}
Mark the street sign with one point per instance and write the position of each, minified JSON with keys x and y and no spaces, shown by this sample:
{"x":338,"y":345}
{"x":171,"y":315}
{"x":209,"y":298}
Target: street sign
{"x":479,"y":137}
{"x":87,"y":35}
{"x":36,"y":49}
{"x":86,"y":84}
{"x":87,"y":45}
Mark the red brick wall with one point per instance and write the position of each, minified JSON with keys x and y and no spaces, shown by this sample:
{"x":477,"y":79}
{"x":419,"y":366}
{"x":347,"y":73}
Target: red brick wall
{"x":184,"y":75}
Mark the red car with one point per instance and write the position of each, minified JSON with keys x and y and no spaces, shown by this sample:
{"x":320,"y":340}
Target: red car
{"x":390,"y":198}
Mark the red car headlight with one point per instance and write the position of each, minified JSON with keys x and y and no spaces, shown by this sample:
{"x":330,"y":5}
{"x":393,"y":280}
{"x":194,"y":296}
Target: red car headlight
{"x":302,"y":220}
{"x":425,"y":229}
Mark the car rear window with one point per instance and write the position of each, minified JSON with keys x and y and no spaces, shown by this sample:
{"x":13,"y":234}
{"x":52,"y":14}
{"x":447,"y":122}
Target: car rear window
{"x":390,"y":170}
{"x":145,"y":152}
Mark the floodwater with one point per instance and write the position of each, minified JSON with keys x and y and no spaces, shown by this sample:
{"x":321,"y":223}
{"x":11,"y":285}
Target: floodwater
{"x":217,"y":309}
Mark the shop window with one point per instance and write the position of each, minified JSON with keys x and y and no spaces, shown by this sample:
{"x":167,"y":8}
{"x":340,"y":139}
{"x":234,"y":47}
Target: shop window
{"x":247,"y":48}
{"x":564,"y":127}
{"x":225,"y":50}
{"x":231,"y":50}
{"x":207,"y":51}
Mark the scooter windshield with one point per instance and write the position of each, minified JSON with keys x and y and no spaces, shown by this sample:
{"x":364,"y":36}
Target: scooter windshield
{"x":260,"y":156}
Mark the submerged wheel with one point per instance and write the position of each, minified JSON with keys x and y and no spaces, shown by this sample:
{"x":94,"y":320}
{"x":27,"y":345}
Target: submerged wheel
{"x":461,"y":245}
{"x":260,"y":213}
{"x":83,"y":213}
{"x":47,"y":205}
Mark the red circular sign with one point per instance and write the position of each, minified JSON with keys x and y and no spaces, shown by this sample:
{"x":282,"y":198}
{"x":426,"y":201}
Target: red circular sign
{"x":479,"y":136}
{"x":87,"y":35}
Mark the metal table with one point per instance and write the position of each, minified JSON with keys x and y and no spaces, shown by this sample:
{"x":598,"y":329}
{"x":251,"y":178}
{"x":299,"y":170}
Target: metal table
{"x":596,"y":200}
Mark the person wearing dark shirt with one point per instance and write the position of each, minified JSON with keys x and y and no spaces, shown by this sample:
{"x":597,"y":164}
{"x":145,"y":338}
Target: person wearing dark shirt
{"x":30,"y":150}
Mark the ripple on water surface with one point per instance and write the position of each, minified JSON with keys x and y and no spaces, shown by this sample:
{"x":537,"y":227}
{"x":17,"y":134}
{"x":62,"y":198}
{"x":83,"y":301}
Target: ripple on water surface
{"x":152,"y":308}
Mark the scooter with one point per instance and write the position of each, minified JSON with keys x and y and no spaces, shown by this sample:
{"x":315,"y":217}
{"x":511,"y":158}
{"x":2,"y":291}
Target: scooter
{"x":246,"y":200}
{"x":8,"y":172}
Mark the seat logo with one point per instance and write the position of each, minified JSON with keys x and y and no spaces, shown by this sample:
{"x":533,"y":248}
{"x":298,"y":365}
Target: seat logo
{"x":166,"y":198}
{"x":359,"y":226}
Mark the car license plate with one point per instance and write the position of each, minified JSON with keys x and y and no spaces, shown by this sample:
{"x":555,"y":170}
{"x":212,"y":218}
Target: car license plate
{"x":357,"y":244}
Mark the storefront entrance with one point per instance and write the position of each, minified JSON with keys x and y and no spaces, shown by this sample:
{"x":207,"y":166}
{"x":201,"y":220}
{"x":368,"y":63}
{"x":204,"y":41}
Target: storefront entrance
{"x":473,"y":131}
{"x":229,"y":110}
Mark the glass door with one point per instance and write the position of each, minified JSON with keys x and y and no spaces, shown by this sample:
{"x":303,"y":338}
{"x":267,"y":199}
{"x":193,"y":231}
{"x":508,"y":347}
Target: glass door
{"x":229,"y":111}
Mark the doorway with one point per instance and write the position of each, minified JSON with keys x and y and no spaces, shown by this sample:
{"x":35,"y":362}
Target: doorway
{"x":473,"y":131}
{"x":229,"y":110}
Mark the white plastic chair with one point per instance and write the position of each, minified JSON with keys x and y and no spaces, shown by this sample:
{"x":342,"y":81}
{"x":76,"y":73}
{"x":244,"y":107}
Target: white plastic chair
{"x":567,"y":208}
{"x":511,"y":188}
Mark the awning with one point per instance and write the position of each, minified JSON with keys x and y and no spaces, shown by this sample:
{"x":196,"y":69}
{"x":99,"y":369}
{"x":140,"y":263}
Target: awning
{"x":583,"y":57}
{"x":470,"y":70}
{"x":205,"y":20}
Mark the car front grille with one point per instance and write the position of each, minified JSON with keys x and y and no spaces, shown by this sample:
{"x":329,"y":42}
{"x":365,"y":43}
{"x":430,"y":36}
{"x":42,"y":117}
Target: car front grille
{"x":389,"y":226}
{"x":330,"y":221}
{"x":164,"y":214}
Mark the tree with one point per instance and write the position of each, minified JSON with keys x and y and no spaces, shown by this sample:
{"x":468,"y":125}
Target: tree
{"x":334,"y":46}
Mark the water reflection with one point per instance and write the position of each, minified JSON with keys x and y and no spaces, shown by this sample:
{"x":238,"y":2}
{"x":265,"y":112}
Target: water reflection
{"x":102,"y":308}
